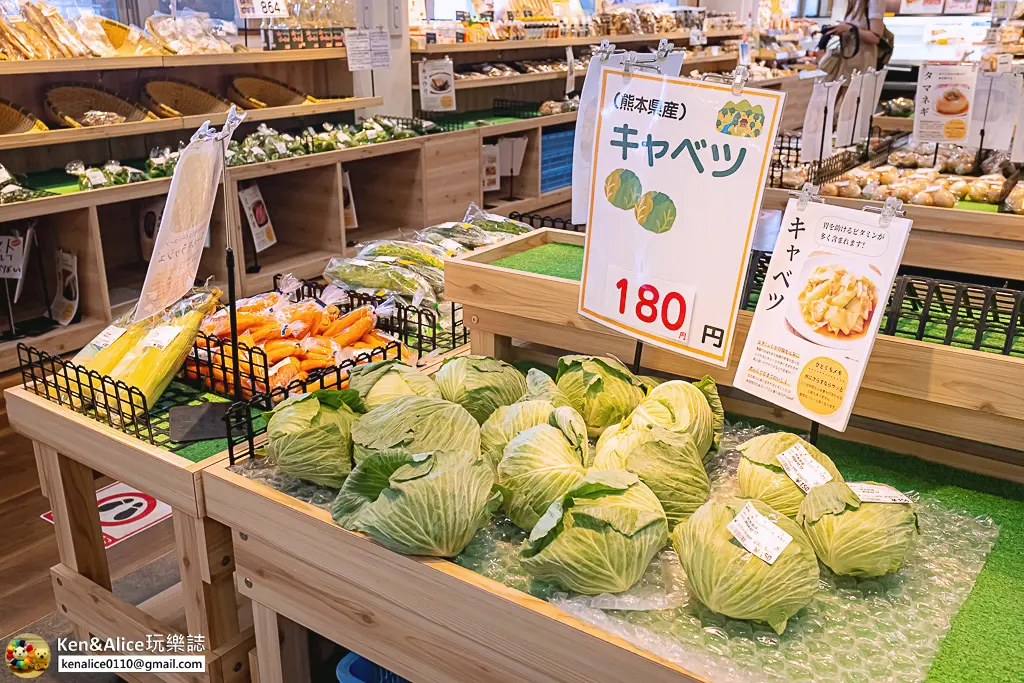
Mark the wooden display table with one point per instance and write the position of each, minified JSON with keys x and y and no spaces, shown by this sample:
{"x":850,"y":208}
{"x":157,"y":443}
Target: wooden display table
{"x":956,"y":240}
{"x":900,"y":124}
{"x":951,"y":391}
{"x":68,"y":447}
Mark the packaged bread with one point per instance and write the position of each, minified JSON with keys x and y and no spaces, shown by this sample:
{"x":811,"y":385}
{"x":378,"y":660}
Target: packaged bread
{"x":90,"y":29}
{"x":922,"y":199}
{"x":849,"y":189}
{"x":887,"y":175}
{"x":828,"y":190}
{"x":881,"y":192}
{"x":33,"y":43}
{"x":958,"y":186}
{"x":1015,"y":200}
{"x":48,"y":20}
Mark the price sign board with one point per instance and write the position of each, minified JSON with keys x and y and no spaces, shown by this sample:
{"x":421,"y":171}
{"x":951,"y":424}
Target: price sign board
{"x":945,"y":102}
{"x":261,"y":9}
{"x":820,"y":309}
{"x":12,"y":252}
{"x":679,"y":170}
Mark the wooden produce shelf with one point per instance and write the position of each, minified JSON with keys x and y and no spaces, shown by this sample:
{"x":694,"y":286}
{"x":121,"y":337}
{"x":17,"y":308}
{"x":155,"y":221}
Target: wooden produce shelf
{"x":86,"y":198}
{"x":45,"y":66}
{"x":956,"y":240}
{"x":901,"y":124}
{"x":913,"y":383}
{"x":269,"y":168}
{"x":59,"y":136}
{"x":292,"y":560}
{"x":68,"y":448}
{"x":470,"y":83}
{"x":288,"y":112}
{"x":57,"y":341}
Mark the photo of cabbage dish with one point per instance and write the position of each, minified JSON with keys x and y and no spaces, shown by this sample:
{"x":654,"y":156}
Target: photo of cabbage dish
{"x":837,"y":302}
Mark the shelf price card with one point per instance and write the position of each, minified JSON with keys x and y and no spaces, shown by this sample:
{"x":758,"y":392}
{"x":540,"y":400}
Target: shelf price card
{"x":679,"y":170}
{"x":945,"y":102}
{"x":820,"y":308}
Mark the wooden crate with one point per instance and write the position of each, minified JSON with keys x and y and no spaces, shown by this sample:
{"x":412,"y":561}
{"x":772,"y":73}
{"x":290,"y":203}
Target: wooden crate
{"x":958,"y":392}
{"x":68,"y":447}
{"x":956,"y":240}
{"x":425,"y":619}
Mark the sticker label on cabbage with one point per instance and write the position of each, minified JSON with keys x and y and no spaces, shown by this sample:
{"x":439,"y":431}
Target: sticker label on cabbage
{"x":108,"y":336}
{"x":758,"y":534}
{"x":802,"y":468}
{"x":878,"y":493}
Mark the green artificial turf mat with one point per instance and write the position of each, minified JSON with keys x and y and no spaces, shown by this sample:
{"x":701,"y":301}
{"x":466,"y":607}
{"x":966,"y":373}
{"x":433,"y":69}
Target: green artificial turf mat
{"x":984,"y":643}
{"x":555,"y":259}
{"x":977,"y":206}
{"x":57,"y":181}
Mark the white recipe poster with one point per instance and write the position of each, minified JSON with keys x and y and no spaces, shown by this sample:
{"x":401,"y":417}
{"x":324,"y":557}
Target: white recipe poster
{"x":679,"y":171}
{"x":944,"y":102}
{"x":437,"y":85}
{"x":820,"y":309}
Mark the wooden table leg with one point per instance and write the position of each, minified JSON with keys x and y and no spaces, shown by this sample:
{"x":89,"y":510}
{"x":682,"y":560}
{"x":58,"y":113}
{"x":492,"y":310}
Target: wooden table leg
{"x":76,"y":518}
{"x":484,"y":343}
{"x":282,"y":647}
{"x":206,"y":562}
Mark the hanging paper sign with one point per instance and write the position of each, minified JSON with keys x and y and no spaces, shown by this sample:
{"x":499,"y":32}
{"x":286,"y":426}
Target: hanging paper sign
{"x":679,"y":171}
{"x":65,"y":300}
{"x":586,"y":118}
{"x":945,"y":97}
{"x":570,"y":73}
{"x":848,"y":111}
{"x":12,"y":253}
{"x":186,"y":219}
{"x":258,"y":217}
{"x":816,"y":140}
{"x":437,"y":85}
{"x":870,"y":92}
{"x":357,"y":46}
{"x":998,"y":99}
{"x":380,"y":48}
{"x":819,"y":311}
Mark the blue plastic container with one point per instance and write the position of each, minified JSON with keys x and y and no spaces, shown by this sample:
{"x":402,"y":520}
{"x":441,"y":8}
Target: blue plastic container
{"x":355,"y":669}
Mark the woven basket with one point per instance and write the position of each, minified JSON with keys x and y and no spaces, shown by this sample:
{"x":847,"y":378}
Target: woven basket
{"x":260,"y":92}
{"x":171,"y":97}
{"x":14,"y":119}
{"x":66,"y":103}
{"x":117,"y":33}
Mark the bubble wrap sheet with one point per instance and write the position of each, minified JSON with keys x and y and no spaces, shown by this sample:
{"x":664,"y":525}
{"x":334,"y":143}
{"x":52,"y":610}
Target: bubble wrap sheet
{"x":885,"y":630}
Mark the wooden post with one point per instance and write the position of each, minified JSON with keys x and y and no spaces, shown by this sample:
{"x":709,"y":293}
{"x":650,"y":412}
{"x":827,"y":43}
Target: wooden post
{"x":206,"y":579}
{"x":489,"y":344}
{"x":281,"y":646}
{"x":76,"y":518}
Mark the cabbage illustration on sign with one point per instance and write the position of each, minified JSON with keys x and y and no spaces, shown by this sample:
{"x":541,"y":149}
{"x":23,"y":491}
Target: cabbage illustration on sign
{"x":655,"y":212}
{"x":740,"y":119}
{"x":622,"y":188}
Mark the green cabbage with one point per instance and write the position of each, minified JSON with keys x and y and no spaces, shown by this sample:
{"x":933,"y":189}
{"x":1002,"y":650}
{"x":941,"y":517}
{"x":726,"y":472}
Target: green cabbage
{"x":667,"y":462}
{"x":540,"y":465}
{"x":418,"y":504}
{"x":540,"y":387}
{"x":416,"y":424}
{"x":685,"y":408}
{"x":727,"y":579}
{"x":480,"y":384}
{"x":380,"y":382}
{"x":602,"y":390}
{"x":853,"y":537}
{"x":308,"y":436}
{"x":508,"y":421}
{"x":761,"y":476}
{"x":600,"y":537}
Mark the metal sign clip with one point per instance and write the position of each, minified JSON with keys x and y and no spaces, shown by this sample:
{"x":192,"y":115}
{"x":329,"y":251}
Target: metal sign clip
{"x":808,"y":193}
{"x":892,"y":208}
{"x":739,"y":78}
{"x":664,"y":49}
{"x":605,"y":49}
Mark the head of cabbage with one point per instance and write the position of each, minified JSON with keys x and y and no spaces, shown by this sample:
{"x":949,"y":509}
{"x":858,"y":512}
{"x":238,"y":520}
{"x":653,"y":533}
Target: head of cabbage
{"x":308,"y":435}
{"x":853,"y":537}
{"x":727,"y":579}
{"x":418,"y":504}
{"x":540,"y":387}
{"x":761,"y":476}
{"x":685,"y":408}
{"x":600,"y":537}
{"x":508,"y":421}
{"x":602,"y":390}
{"x":379,"y":382}
{"x":667,"y":462}
{"x":540,"y":464}
{"x":480,"y":384}
{"x":415,"y":424}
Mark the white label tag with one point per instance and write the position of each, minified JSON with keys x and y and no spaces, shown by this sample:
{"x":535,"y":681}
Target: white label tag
{"x":95,"y":177}
{"x":261,"y":9}
{"x":371,"y":133}
{"x":878,"y":493}
{"x":359,"y":262}
{"x":4,"y":175}
{"x":108,"y":336}
{"x":386,"y":259}
{"x":758,"y":534}
{"x":280,"y":364}
{"x":281,"y":149}
{"x":802,"y":468}
{"x":160,"y":337}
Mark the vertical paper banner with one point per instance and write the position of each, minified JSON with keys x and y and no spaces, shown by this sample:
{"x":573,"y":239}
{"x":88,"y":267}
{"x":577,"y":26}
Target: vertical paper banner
{"x":997,"y":99}
{"x":583,"y":142}
{"x":848,"y":111}
{"x":944,"y":100}
{"x":820,"y":309}
{"x":816,"y":142}
{"x":679,"y":171}
{"x":437,"y":85}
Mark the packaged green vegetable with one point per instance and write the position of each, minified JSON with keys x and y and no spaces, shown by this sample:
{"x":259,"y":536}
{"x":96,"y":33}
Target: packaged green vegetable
{"x":161,"y":162}
{"x":467,"y":235}
{"x":492,"y":222}
{"x":375,"y":277}
{"x":418,"y":252}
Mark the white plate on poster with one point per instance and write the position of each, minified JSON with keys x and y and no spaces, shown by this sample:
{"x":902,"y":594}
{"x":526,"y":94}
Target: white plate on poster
{"x":803,"y":329}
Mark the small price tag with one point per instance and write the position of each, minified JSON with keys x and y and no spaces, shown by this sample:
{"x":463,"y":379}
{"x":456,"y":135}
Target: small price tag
{"x":261,"y":9}
{"x":758,"y":534}
{"x":802,"y":468}
{"x":95,"y":177}
{"x":4,"y":175}
{"x":878,"y":493}
{"x":12,"y":257}
{"x":386,"y":259}
{"x":160,"y":337}
{"x":371,"y":133}
{"x":359,"y":262}
{"x":697,"y":37}
{"x":108,"y":336}
{"x":280,"y":147}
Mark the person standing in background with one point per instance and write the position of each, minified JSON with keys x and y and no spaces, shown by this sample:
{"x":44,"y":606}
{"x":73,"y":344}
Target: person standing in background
{"x":854,"y":42}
